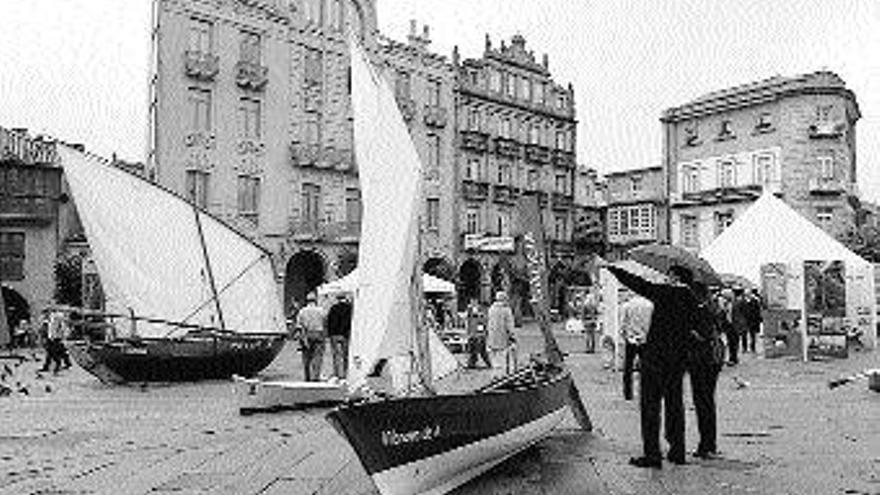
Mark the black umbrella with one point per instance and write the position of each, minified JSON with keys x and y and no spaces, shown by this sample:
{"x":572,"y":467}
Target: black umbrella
{"x":662,"y":257}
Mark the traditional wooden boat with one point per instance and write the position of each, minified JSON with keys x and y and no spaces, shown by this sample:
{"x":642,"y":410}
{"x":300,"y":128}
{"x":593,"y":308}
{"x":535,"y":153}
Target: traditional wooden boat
{"x":186,"y":296}
{"x":418,"y":440}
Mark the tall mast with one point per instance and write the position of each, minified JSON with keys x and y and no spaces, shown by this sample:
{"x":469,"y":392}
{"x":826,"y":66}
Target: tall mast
{"x":208,"y":268}
{"x":423,"y":350}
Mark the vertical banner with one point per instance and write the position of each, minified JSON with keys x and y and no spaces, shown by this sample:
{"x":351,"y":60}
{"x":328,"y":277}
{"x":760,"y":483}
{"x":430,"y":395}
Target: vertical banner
{"x":536,"y":269}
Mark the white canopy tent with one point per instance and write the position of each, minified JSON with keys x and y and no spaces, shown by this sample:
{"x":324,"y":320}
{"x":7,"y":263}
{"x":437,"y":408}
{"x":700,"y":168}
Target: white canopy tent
{"x":348,"y":283}
{"x":770,"y":231}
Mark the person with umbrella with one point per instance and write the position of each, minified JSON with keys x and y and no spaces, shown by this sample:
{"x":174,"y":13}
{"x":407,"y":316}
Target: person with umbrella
{"x":663,"y":359}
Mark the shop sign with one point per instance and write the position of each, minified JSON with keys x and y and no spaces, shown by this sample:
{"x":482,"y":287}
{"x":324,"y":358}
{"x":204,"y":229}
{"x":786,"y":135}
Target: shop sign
{"x":481,"y":242}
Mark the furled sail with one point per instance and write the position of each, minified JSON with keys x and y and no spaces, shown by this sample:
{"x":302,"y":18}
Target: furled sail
{"x":390,"y":175}
{"x":147,"y":245}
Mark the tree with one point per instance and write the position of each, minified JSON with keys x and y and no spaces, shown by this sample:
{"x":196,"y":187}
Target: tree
{"x":864,"y":241}
{"x":68,"y":280}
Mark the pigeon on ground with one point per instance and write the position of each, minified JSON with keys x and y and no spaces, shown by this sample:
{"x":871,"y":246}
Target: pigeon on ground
{"x":740,"y":383}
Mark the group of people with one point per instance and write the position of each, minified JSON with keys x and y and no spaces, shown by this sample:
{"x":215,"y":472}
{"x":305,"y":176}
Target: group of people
{"x":491,"y":335}
{"x":674,"y":329}
{"x":313,"y":326}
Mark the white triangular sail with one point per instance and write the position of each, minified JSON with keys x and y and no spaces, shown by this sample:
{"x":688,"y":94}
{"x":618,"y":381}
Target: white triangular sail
{"x":147,"y":247}
{"x":390,"y":175}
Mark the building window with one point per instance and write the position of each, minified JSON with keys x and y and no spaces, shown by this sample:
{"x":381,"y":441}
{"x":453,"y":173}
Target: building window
{"x":535,"y":134}
{"x":725,"y":130}
{"x":472,"y":220}
{"x":527,"y":89}
{"x":335,"y":19}
{"x":824,"y":216}
{"x":502,"y":222}
{"x":505,"y":128}
{"x":313,"y":72}
{"x":532,"y":180}
{"x":197,"y":187}
{"x":690,"y":178}
{"x":690,"y":233}
{"x":826,"y":167}
{"x":510,"y":85}
{"x":312,"y":132}
{"x":614,"y":222}
{"x":434,"y":92}
{"x":12,"y":255}
{"x":433,"y":213}
{"x":200,"y":109}
{"x":691,"y":134}
{"x":762,"y":172}
{"x":560,"y":140}
{"x":311,"y":203}
{"x":561,"y":101}
{"x":250,"y":47}
{"x":248,"y":195}
{"x":764,"y":123}
{"x":504,"y":173}
{"x":352,"y":206}
{"x":200,"y":35}
{"x":560,"y":227}
{"x":249,"y":118}
{"x":561,"y":183}
{"x":521,"y":84}
{"x":723,"y":219}
{"x":433,"y":150}
{"x":538,"y":94}
{"x":635,"y":184}
{"x":403,"y":84}
{"x":494,"y":81}
{"x":726,"y":174}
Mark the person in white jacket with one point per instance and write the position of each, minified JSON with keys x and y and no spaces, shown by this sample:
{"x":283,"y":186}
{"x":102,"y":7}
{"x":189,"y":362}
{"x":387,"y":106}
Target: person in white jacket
{"x":502,"y":343}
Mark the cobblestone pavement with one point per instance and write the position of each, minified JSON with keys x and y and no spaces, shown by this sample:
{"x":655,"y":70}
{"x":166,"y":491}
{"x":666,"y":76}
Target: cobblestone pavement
{"x":781,"y":431}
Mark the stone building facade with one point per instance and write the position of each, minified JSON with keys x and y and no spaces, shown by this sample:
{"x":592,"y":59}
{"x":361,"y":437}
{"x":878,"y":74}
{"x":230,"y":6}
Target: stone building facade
{"x":516,"y":136}
{"x":795,"y":136}
{"x":30,"y":232}
{"x":636,"y":212}
{"x":250,"y":118}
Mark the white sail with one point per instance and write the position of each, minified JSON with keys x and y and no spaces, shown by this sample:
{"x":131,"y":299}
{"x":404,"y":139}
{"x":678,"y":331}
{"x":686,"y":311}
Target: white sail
{"x":147,"y":247}
{"x":389,"y":171}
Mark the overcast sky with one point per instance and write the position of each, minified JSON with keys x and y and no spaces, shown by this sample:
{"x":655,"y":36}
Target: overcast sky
{"x":76,"y":69}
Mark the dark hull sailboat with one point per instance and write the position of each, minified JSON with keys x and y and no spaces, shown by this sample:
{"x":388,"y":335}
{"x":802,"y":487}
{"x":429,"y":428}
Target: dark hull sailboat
{"x":187,"y":297}
{"x":430,"y":445}
{"x":191,"y":358}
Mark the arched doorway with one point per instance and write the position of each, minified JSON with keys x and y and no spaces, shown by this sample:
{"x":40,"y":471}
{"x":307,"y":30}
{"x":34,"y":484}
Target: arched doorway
{"x":17,"y":307}
{"x":305,"y":271}
{"x":439,"y":267}
{"x":470,"y":276}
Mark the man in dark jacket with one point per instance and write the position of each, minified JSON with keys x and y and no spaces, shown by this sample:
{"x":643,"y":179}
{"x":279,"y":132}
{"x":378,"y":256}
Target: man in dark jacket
{"x":339,"y":331}
{"x":705,"y":360}
{"x":663,"y":361}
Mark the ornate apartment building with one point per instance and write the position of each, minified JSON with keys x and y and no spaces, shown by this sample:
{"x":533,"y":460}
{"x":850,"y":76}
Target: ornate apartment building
{"x":516,"y":136}
{"x":636,"y":212}
{"x":795,"y":136}
{"x":250,"y":118}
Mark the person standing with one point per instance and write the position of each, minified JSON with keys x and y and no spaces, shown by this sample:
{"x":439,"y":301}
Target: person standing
{"x":339,"y":331}
{"x":635,"y":319}
{"x":311,"y":327}
{"x":475,"y":325}
{"x":662,"y":363}
{"x":705,"y":360}
{"x":739,"y":324}
{"x":502,"y":343}
{"x":753,"y":317}
{"x":54,"y":344}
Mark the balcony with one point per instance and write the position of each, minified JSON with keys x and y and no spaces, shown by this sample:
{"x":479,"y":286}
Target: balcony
{"x":475,"y":191}
{"x":826,"y":130}
{"x":487,"y":242}
{"x":560,"y":248}
{"x":564,"y":159}
{"x":503,"y":193}
{"x":722,"y":194}
{"x":250,"y":75}
{"x":320,"y":230}
{"x":200,"y":65}
{"x":407,"y":107}
{"x":562,"y":201}
{"x":304,"y":155}
{"x":542,"y":196}
{"x":474,"y":141}
{"x":435,"y":116}
{"x":536,"y":153}
{"x":507,"y":147}
{"x":26,"y":209}
{"x":831,"y":187}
